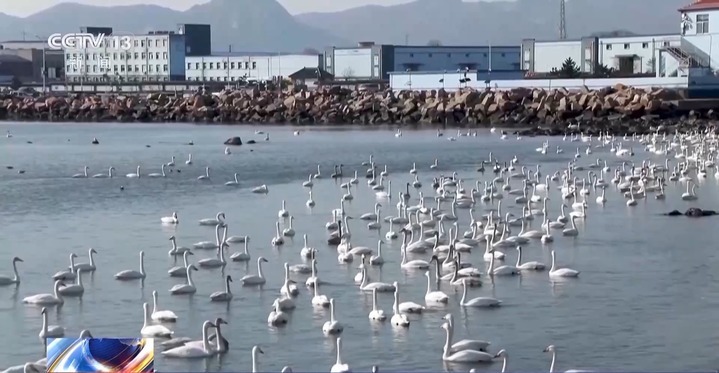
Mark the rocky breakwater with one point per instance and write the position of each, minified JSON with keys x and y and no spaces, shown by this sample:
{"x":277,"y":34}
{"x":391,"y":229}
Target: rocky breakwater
{"x":618,"y":109}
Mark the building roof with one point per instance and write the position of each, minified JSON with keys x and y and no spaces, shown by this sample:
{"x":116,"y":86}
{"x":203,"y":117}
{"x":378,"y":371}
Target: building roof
{"x":311,"y":73}
{"x":12,"y":58}
{"x":257,"y":54}
{"x":701,"y":5}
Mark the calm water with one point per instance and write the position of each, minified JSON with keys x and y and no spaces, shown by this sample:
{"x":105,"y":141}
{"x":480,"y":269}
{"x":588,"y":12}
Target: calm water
{"x":647,"y":297}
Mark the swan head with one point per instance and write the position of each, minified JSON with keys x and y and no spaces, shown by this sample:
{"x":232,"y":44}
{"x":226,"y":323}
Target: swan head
{"x":550,"y":348}
{"x":220,"y":320}
{"x":142,"y":253}
{"x":434,"y":258}
{"x":229,"y":278}
{"x":192,"y":267}
{"x":93,"y":251}
{"x":73,"y":255}
{"x":501,"y":353}
{"x":256,"y":350}
{"x":84,"y":334}
{"x":287,"y":369}
{"x":262,"y":259}
{"x":171,"y":238}
{"x":44,"y":311}
{"x":16,"y":259}
{"x":59,"y":283}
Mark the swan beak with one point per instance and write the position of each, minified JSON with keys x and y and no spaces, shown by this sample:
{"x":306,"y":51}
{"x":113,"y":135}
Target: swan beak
{"x":19,"y":260}
{"x":190,"y":253}
{"x":260,"y":350}
{"x":497,"y":356}
{"x":546,"y":349}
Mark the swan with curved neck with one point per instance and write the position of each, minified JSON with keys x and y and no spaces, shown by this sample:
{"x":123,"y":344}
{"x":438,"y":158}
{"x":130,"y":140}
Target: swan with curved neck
{"x":259,"y":278}
{"x":181,"y":271}
{"x":223,"y":296}
{"x":255,"y":351}
{"x":555,"y":272}
{"x":243,"y":256}
{"x":88,"y":267}
{"x":161,"y":315}
{"x":192,"y":350}
{"x":4,"y":280}
{"x":153,"y":330}
{"x":463,"y":356}
{"x":206,"y":176}
{"x":50,"y":331}
{"x":332,"y":327}
{"x":134,"y":175}
{"x":189,"y":286}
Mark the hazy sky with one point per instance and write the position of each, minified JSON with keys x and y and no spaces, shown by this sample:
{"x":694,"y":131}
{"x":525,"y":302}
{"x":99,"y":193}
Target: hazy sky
{"x":24,"y":8}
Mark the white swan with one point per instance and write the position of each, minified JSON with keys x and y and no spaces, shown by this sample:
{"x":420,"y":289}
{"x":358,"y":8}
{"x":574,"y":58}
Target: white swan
{"x":479,"y":301}
{"x":153,"y":331}
{"x":244,"y":255}
{"x":313,"y":280}
{"x":289,"y":288}
{"x":189,"y":159}
{"x":277,"y":317}
{"x":189,"y":286}
{"x":376,"y":314}
{"x":381,"y":287}
{"x":50,"y":331}
{"x":170,"y":219}
{"x":192,"y":350}
{"x":528,"y":266}
{"x":262,"y":189}
{"x":413,"y":264}
{"x":223,"y":296}
{"x":465,"y":344}
{"x":310,"y":201}
{"x":309,"y":183}
{"x":130,"y":274}
{"x":255,"y":350}
{"x":4,"y":280}
{"x":107,"y":175}
{"x":283,"y":213}
{"x":463,"y":356}
{"x":289,"y":231}
{"x":398,"y":318}
{"x":217,"y":262}
{"x":572,"y":231}
{"x":219,"y":219}
{"x":504,"y":270}
{"x":181,"y":271}
{"x":339,"y":366}
{"x":259,"y":278}
{"x":206,"y":176}
{"x":320,"y":300}
{"x":87,"y":267}
{"x":503,"y":354}
{"x":135,"y":174}
{"x":332,"y":327}
{"x":160,"y":174}
{"x":161,"y":315}
{"x":561,"y":272}
{"x":82,"y":175}
{"x":407,"y":307}
{"x":277,"y":240}
{"x":177,"y":250}
{"x":234,"y":182}
{"x":207,"y":245}
{"x":434,"y":296}
{"x":306,"y":251}
{"x":377,"y":259}
{"x":76,"y":289}
{"x":689,"y":194}
{"x":553,"y":349}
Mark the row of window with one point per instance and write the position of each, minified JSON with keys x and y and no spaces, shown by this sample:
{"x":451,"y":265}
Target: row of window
{"x":221,"y":65}
{"x":111,"y":41}
{"x":121,"y":68}
{"x":411,"y":55}
{"x":628,"y":45}
{"x":213,"y":79}
{"x":122,"y":56}
{"x":99,"y":79}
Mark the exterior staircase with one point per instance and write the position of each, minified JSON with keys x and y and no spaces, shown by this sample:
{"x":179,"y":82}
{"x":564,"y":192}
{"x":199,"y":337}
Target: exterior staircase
{"x":685,"y":58}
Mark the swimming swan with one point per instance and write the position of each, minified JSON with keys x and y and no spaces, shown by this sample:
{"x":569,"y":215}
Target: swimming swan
{"x":217,"y":262}
{"x":153,"y":330}
{"x":219,"y":219}
{"x":561,"y":272}
{"x":434,"y":296}
{"x":206,"y":176}
{"x":552,"y":349}
{"x":465,"y":344}
{"x":234,"y":182}
{"x":50,"y":331}
{"x":189,"y":286}
{"x":381,"y":287}
{"x":130,"y":274}
{"x":407,"y":307}
{"x":339,"y":366}
{"x":277,"y":317}
{"x":161,"y":315}
{"x":82,"y":175}
{"x":177,"y":250}
{"x":170,"y":219}
{"x":283,"y":213}
{"x":87,"y":267}
{"x":398,"y":318}
{"x":134,"y":175}
{"x":376,"y":314}
{"x":528,"y":266}
{"x":479,"y":301}
{"x":4,"y":280}
{"x":255,"y":350}
{"x":244,"y":255}
{"x":192,"y":350}
{"x":463,"y":356}
{"x":259,"y":278}
{"x":107,"y":175}
{"x":332,"y":327}
{"x":289,"y":288}
{"x":46,"y":299}
{"x":181,"y":271}
{"x":223,"y":296}
{"x":262,"y":189}
{"x":161,"y":174}
{"x":320,"y":300}
{"x":76,"y":289}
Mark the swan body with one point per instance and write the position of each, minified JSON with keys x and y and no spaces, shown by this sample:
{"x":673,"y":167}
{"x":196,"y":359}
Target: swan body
{"x":465,"y":344}
{"x":463,"y":356}
{"x":277,"y":317}
{"x":244,"y":255}
{"x":223,"y":296}
{"x":161,"y":315}
{"x":153,"y":331}
{"x":376,"y":314}
{"x":87,"y":267}
{"x":259,"y":278}
{"x":434,"y":296}
{"x":192,"y":350}
{"x":189,"y":286}
{"x":46,"y":299}
{"x":339,"y":366}
{"x":206,"y":176}
{"x":320,"y":300}
{"x":181,"y":271}
{"x":170,"y":219}
{"x":262,"y":189}
{"x":218,"y":220}
{"x":332,"y":327}
{"x":528,"y":266}
{"x":134,"y":175}
{"x":181,"y":250}
{"x":50,"y":331}
{"x":479,"y":301}
{"x":5,"y":280}
{"x":130,"y":274}
{"x":555,"y":272}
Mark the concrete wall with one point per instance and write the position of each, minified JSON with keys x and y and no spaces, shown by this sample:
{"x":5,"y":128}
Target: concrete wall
{"x":645,"y":50}
{"x":449,"y":81}
{"x":450,"y":58}
{"x":214,"y":68}
{"x":353,"y":63}
{"x":552,"y":54}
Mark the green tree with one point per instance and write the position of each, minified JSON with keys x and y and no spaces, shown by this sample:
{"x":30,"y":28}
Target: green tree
{"x":603,"y":71}
{"x":569,"y":69}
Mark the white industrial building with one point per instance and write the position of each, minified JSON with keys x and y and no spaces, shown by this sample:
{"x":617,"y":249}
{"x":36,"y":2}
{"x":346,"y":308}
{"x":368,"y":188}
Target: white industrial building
{"x":660,"y":55}
{"x":156,"y":56}
{"x":232,"y":67}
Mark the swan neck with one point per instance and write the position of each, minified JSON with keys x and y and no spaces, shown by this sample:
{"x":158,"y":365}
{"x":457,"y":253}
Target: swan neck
{"x":15,"y":272}
{"x":79,"y":279}
{"x":154,"y":303}
{"x":44,"y":322}
{"x":227,"y":286}
{"x":205,"y":337}
{"x":184,"y":259}
{"x":554,"y":360}
{"x":332,"y":311}
{"x":464,"y":293}
{"x":92,"y":258}
{"x":395,"y":305}
{"x":553,"y":262}
{"x":447,"y":341}
{"x":339,"y":355}
{"x":145,"y":320}
{"x":519,"y":255}
{"x":374,"y":300}
{"x":429,"y":283}
{"x":142,"y":264}
{"x":189,"y":277}
{"x":246,"y":247}
{"x":259,"y":268}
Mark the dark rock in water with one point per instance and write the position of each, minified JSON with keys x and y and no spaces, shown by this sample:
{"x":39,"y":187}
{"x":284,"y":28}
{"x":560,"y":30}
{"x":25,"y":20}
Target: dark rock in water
{"x":692,"y":212}
{"x":252,"y":142}
{"x":234,"y":141}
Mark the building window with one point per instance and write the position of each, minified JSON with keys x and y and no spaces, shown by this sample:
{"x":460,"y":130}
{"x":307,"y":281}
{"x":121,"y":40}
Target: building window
{"x":645,"y":45}
{"x":164,"y":67}
{"x":164,"y":42}
{"x":144,"y":56}
{"x":197,"y":65}
{"x":122,"y":68}
{"x":149,"y":68}
{"x":247,"y":65}
{"x":144,"y":68}
{"x":626,"y":45}
{"x":212,"y":65}
{"x":164,"y":55}
{"x":157,"y":68}
{"x":157,"y":42}
{"x":225,"y":65}
{"x":157,"y":55}
{"x":609,"y":47}
{"x":137,"y":68}
{"x":137,"y":55}
{"x":254,"y":65}
{"x":232,"y":65}
{"x":135,"y":43}
{"x":189,"y":66}
{"x":142,"y":43}
{"x":702,"y":23}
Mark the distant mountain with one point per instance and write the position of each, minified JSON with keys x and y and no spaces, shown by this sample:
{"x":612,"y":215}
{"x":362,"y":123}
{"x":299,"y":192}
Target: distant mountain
{"x":248,"y":25}
{"x":454,"y":22}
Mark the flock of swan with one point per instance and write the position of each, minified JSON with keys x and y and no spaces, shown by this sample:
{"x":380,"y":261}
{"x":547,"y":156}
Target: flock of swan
{"x":515,"y":201}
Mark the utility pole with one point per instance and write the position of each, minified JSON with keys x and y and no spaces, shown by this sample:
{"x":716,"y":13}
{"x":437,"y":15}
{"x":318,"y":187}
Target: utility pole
{"x":562,"y":20}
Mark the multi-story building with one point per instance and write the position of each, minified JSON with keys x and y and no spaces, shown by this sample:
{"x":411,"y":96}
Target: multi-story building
{"x":231,"y":67}
{"x":156,"y":56}
{"x":369,"y":61}
{"x":37,"y":55}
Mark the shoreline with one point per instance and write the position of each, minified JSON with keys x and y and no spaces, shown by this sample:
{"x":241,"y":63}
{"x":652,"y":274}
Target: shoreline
{"x":615,"y":110}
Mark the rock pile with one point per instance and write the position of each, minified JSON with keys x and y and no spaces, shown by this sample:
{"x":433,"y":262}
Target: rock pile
{"x":618,"y":109}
